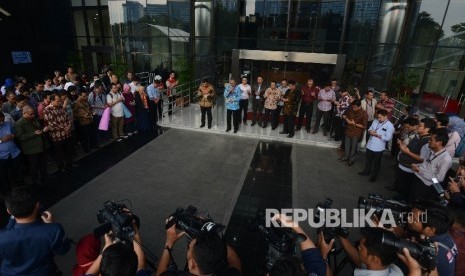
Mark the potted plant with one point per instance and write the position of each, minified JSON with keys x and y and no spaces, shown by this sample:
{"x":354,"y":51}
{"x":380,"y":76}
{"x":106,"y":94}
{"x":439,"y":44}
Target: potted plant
{"x":403,"y":85}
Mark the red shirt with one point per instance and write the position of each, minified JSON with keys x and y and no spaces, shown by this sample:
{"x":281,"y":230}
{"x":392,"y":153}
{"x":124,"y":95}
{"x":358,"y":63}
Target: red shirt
{"x":310,"y":94}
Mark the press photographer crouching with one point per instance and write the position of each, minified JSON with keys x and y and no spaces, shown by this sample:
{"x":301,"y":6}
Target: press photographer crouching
{"x":312,"y":262}
{"x":123,"y":253}
{"x":431,"y":220}
{"x":31,"y":239}
{"x":207,"y":253}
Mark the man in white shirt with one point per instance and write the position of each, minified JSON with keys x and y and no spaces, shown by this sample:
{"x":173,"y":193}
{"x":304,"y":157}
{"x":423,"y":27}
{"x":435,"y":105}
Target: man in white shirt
{"x":380,"y":132}
{"x":115,"y":101}
{"x":436,"y":162}
{"x":246,"y":91}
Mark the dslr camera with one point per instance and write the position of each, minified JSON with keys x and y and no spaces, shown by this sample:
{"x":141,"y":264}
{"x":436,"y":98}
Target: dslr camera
{"x":281,"y":241}
{"x":398,"y":209}
{"x":329,"y":232}
{"x":423,"y":251}
{"x":193,"y":223}
{"x":116,"y":218}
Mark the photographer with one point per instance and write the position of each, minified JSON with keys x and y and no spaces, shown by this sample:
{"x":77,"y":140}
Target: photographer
{"x":455,"y":192}
{"x":371,"y":257}
{"x":119,"y":259}
{"x":28,"y":243}
{"x":206,"y":254}
{"x":431,"y":220}
{"x":413,"y":266}
{"x":312,"y":260}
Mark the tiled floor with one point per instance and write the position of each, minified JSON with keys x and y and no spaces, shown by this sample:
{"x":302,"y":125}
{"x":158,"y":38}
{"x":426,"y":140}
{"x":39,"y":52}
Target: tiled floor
{"x":189,"y":118}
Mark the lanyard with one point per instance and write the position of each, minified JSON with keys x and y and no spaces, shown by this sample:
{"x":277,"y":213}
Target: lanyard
{"x":435,"y":156}
{"x":378,"y":125}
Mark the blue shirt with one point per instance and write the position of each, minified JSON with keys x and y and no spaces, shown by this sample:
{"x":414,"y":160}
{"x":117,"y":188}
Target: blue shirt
{"x":447,"y":254}
{"x":7,"y":148}
{"x":232,"y":97}
{"x":385,"y":130}
{"x":153,"y":92}
{"x":28,"y":248}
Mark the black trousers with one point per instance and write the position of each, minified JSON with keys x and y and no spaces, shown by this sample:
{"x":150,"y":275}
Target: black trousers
{"x":288,"y":125}
{"x":339,"y":128}
{"x":153,"y":115}
{"x":84,"y":134}
{"x":306,"y":109}
{"x":236,"y":117}
{"x":269,"y":116}
{"x":64,"y":153}
{"x":171,"y":104}
{"x":37,"y":164}
{"x":243,"y":108}
{"x":208,"y":112}
{"x":403,"y":182}
{"x":10,"y":173}
{"x":96,"y":135}
{"x":419,"y":191}
{"x":257,"y":109}
{"x":277,"y":114}
{"x":325,"y":115}
{"x":373,"y":162}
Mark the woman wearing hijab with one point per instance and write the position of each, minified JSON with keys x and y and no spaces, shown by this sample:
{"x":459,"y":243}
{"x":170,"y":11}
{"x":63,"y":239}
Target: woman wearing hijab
{"x":130,"y":103}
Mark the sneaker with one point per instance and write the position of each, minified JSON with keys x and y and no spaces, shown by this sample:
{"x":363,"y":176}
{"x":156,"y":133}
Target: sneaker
{"x":124,"y":136}
{"x":135,"y":132}
{"x":119,"y":140}
{"x":130,"y":134}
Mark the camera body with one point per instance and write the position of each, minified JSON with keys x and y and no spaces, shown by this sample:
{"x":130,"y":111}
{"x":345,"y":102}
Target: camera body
{"x":423,"y":251}
{"x":281,"y":241}
{"x":117,"y":219}
{"x":193,"y":223}
{"x":377,"y":202}
{"x":329,"y":232}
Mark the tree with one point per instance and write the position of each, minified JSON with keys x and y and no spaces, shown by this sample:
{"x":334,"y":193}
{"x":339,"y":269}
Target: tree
{"x":459,"y":29}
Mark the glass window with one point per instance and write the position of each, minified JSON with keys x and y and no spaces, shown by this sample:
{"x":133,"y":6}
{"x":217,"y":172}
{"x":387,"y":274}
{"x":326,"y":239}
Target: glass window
{"x":391,"y":20}
{"x":179,"y":14}
{"x":377,"y":77}
{"x":362,"y":20}
{"x":418,"y":56}
{"x":444,"y":82}
{"x":227,"y":20}
{"x":449,"y":58}
{"x":428,"y":22}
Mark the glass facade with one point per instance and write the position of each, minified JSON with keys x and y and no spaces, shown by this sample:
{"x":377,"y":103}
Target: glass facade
{"x":380,"y":38}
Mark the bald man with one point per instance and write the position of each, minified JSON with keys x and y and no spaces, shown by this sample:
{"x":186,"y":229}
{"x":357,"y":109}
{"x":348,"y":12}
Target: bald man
{"x":30,"y":134}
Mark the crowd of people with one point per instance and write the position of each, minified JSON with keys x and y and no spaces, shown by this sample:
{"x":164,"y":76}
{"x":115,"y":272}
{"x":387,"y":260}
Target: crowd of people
{"x":48,"y":120}
{"x":50,"y":117}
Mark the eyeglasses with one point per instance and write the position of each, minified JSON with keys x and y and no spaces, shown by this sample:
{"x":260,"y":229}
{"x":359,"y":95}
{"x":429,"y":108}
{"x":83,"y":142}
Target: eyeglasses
{"x":31,"y":114}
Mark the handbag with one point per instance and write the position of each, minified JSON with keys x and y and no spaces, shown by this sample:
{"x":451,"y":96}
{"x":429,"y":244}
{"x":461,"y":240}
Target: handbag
{"x":127,"y":112}
{"x":105,"y":120}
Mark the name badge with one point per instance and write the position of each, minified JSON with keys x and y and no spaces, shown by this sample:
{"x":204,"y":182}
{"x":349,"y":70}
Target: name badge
{"x":257,"y":97}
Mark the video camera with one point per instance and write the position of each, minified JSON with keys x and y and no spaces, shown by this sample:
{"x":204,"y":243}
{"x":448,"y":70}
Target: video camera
{"x":398,"y":209}
{"x":329,"y":232}
{"x":115,"y":217}
{"x":423,"y":251}
{"x":193,"y":223}
{"x":281,"y":241}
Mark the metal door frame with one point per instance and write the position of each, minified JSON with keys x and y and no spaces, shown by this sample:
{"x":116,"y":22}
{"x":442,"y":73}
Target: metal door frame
{"x":338,"y":60}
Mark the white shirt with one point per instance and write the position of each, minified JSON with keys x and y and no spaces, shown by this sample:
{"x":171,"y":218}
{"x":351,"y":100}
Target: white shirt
{"x":385,"y":130}
{"x":133,"y":87}
{"x":391,"y":270}
{"x":435,"y":165}
{"x":245,"y":90}
{"x":117,"y":109}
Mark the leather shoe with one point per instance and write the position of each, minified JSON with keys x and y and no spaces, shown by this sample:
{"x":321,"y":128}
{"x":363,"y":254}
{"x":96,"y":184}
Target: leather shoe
{"x":297,"y":129}
{"x":202,"y":125}
{"x":235,"y":131}
{"x":228,"y":130}
{"x":314,"y":132}
{"x":282,"y":132}
{"x":391,"y":188}
{"x":290,"y":135}
{"x":372,"y":178}
{"x":342,"y":159}
{"x":363,"y":173}
{"x":349,"y":164}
